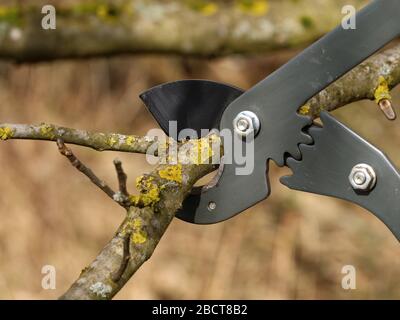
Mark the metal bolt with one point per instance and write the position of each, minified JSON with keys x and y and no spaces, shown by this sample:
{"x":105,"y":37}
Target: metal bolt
{"x":359,"y":178}
{"x":211,"y":206}
{"x":362,"y":177}
{"x":245,"y":123}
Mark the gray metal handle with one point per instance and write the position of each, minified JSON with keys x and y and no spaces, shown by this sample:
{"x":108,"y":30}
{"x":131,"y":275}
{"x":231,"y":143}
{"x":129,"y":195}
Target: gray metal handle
{"x":275,"y":101}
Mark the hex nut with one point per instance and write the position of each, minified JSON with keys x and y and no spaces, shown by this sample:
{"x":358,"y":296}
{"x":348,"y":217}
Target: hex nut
{"x":245,"y":123}
{"x":362,"y":177}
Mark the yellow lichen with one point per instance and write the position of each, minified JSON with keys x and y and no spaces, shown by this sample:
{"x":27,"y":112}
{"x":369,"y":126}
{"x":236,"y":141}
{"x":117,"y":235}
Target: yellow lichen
{"x":209,"y":9}
{"x":3,"y":11}
{"x":112,"y":140}
{"x":47,"y":131}
{"x":254,"y":7}
{"x":128,"y":8}
{"x":382,"y":91}
{"x":130,"y":140}
{"x":102,"y":11}
{"x":172,"y":173}
{"x":206,"y":7}
{"x":139,"y":237}
{"x":202,"y":149}
{"x":137,"y":223}
{"x":305,"y":110}
{"x":9,"y":14}
{"x":6,"y":133}
{"x":149,"y":192}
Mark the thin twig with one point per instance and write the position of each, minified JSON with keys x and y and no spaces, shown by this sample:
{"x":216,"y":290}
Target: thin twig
{"x":65,"y":151}
{"x":122,"y":196}
{"x":122,"y":177}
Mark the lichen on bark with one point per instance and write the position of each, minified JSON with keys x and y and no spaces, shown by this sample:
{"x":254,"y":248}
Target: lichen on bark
{"x":161,"y":195}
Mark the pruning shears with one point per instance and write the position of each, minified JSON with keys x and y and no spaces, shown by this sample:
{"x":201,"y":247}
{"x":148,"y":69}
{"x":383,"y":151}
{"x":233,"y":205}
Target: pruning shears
{"x":328,"y":160}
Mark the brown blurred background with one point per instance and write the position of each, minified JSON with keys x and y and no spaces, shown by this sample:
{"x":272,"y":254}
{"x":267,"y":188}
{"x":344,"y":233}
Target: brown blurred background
{"x":292,"y":246}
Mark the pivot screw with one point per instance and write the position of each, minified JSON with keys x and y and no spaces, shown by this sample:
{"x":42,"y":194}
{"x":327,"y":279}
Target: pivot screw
{"x":246,"y":123}
{"x":362,"y":177}
{"x":211,"y":206}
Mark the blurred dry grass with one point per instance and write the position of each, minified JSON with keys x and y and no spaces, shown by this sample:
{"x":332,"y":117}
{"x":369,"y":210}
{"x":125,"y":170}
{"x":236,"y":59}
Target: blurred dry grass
{"x":291,"y":246}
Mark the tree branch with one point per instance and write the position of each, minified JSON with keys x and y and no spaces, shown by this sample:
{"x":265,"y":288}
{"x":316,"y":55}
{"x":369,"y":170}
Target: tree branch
{"x":223,"y":27}
{"x":122,"y":177}
{"x":372,"y":79}
{"x":162,"y":193}
{"x":65,"y":151}
{"x":122,"y":196}
{"x":95,"y":140}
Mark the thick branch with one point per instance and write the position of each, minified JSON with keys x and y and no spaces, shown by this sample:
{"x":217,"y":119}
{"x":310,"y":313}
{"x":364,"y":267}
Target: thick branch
{"x":162,"y":193}
{"x":155,"y":26}
{"x":95,"y":140}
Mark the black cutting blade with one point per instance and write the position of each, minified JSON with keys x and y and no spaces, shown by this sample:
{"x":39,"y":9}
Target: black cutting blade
{"x":194,"y":104}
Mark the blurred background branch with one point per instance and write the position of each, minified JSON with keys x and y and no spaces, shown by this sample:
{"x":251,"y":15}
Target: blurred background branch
{"x":190,"y":27}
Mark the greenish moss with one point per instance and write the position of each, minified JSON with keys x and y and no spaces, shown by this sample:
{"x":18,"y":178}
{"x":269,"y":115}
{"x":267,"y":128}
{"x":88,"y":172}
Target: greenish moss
{"x":10,"y":15}
{"x":85,"y":8}
{"x":307,"y":22}
{"x":253,"y":7}
{"x":205,"y":7}
{"x":101,"y":9}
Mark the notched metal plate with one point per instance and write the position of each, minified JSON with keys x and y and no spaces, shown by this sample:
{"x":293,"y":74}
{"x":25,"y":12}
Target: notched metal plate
{"x":325,"y":167}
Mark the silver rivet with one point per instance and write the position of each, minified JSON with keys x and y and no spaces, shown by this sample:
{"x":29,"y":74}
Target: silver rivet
{"x":362,"y":177}
{"x":246,"y":123}
{"x":211,"y":206}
